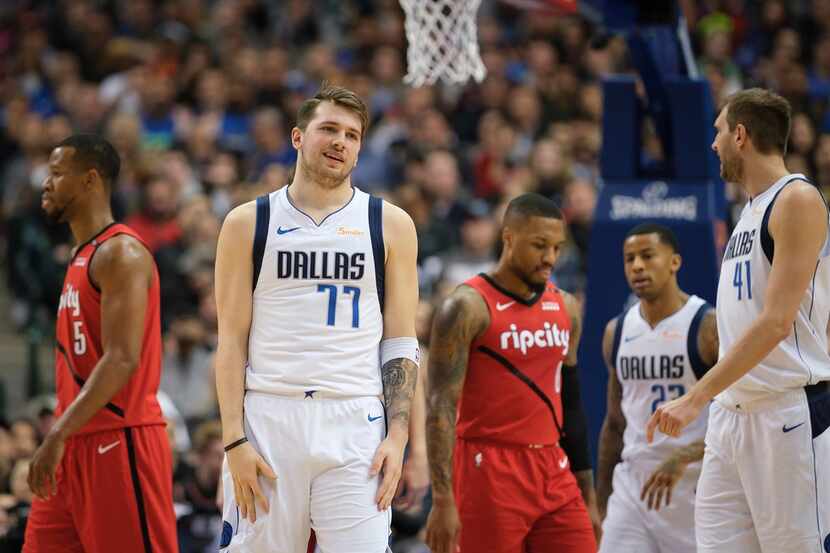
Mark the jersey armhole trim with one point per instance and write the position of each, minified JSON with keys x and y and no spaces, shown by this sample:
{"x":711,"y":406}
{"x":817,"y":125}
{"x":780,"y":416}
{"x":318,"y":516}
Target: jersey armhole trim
{"x":263,"y":218}
{"x":98,"y":245}
{"x":88,"y":242}
{"x":378,"y":249}
{"x":615,"y":347}
{"x":767,"y":242}
{"x":697,"y":363}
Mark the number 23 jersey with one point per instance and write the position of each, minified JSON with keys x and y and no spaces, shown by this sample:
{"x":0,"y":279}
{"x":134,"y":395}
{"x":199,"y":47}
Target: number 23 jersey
{"x":801,"y":358}
{"x":655,"y":365}
{"x":317,"y":318}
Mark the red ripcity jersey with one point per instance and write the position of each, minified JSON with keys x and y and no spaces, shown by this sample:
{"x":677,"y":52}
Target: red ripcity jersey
{"x":523,"y":347}
{"x":78,"y":333}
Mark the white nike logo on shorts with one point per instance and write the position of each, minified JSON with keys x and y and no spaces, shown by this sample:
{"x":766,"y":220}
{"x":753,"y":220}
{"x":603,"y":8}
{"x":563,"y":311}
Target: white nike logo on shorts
{"x":503,"y":306}
{"x":563,"y":462}
{"x":104,"y":448}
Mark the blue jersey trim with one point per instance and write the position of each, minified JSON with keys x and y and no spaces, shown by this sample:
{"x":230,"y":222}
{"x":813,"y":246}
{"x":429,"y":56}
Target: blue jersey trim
{"x":818,"y":400}
{"x":378,"y":249}
{"x":818,"y":403}
{"x":309,"y":217}
{"x":615,"y":348}
{"x":767,"y":243}
{"x":798,"y":349}
{"x":699,"y":367}
{"x":263,"y":217}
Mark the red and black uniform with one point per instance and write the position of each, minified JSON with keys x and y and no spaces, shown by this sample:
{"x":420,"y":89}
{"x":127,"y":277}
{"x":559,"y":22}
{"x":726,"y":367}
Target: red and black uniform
{"x":115,"y":478}
{"x":513,"y":486}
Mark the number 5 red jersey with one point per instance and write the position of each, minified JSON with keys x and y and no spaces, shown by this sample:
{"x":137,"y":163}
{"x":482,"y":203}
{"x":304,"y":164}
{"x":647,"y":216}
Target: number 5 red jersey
{"x":79,"y":347}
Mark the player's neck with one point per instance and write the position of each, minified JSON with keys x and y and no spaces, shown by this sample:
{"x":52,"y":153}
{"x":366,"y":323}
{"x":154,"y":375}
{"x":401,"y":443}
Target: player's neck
{"x":508,"y":280}
{"x":664,"y":306}
{"x":761,"y":173}
{"x":91,"y":222}
{"x":317,"y":200}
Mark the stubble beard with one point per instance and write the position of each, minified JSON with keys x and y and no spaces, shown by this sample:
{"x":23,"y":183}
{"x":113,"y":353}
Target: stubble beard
{"x":732,"y":169}
{"x":535,"y":287}
{"x":327,"y":181}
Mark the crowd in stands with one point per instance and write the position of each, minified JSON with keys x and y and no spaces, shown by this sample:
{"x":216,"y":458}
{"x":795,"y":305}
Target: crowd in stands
{"x":199,"y":97}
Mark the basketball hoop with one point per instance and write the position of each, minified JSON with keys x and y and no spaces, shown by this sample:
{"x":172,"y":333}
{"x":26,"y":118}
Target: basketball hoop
{"x":442,"y":38}
{"x":442,"y":42}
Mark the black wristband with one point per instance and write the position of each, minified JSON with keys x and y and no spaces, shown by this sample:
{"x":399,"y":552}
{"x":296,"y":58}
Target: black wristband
{"x":238,"y":442}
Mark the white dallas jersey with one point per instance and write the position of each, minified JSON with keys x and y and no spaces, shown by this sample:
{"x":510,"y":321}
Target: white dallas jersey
{"x":656,"y":365}
{"x":801,"y":358}
{"x":317,"y":301}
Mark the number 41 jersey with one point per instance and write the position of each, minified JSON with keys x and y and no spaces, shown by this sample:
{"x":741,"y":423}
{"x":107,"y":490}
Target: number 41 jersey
{"x":801,"y":358}
{"x":317,"y":302}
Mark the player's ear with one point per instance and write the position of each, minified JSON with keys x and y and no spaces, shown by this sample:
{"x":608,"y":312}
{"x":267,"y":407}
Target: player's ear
{"x":740,"y":135}
{"x":296,"y":138}
{"x":507,"y":235}
{"x":676,"y":262}
{"x":90,"y":178}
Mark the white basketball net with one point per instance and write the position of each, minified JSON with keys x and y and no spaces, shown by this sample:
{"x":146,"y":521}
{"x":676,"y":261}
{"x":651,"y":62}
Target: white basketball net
{"x":443,"y":41}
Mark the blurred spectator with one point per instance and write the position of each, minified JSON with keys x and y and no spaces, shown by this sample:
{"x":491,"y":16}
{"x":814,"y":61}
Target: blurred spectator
{"x":271,"y":143}
{"x":16,"y":506}
{"x":188,"y":365}
{"x":24,"y":439}
{"x":195,"y":486}
{"x":550,"y":169}
{"x":156,"y":222}
{"x":476,"y":253}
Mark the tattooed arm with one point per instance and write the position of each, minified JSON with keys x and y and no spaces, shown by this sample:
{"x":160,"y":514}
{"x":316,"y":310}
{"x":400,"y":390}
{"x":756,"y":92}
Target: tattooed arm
{"x":461,"y":318}
{"x":399,"y":374}
{"x":665,"y":477}
{"x":611,"y":435}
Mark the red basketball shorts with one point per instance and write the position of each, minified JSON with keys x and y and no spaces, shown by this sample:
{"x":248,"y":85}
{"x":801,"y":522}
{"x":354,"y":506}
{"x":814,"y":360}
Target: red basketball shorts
{"x":517,"y":499}
{"x":115,"y":494}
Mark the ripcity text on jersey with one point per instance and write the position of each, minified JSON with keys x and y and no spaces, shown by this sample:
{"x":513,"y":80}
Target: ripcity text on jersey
{"x":801,"y":358}
{"x":79,"y":344}
{"x":512,"y":389}
{"x":317,"y":302}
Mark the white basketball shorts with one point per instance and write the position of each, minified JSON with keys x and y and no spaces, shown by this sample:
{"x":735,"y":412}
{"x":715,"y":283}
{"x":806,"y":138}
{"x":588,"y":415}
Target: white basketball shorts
{"x":765,"y":482}
{"x":321,"y":450}
{"x":630,"y":527}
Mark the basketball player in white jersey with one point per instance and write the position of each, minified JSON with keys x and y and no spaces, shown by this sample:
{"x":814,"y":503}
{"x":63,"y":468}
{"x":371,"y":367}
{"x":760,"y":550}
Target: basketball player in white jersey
{"x":311,"y":334}
{"x":765,"y":481}
{"x":655,"y":351}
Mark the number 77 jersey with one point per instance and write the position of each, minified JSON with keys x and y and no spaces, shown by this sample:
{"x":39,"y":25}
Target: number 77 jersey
{"x":317,"y":318}
{"x":801,"y":358}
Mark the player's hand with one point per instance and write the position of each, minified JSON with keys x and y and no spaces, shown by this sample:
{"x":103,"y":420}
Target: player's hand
{"x":414,"y":482}
{"x":443,"y":527}
{"x":245,"y":465}
{"x":672,"y":417}
{"x":662,"y":482}
{"x":388,"y":461}
{"x":42,"y":472}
